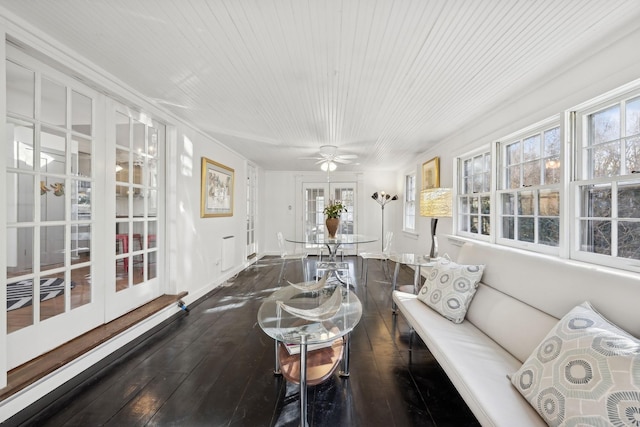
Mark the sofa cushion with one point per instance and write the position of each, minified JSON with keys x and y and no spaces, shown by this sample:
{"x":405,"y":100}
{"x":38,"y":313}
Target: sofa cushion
{"x":476,"y":365}
{"x":449,"y":288}
{"x":521,"y":333}
{"x":586,"y":370}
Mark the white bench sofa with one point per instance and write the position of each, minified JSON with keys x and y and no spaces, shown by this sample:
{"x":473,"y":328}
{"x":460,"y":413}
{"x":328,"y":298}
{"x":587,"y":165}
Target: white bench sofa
{"x":521,"y":297}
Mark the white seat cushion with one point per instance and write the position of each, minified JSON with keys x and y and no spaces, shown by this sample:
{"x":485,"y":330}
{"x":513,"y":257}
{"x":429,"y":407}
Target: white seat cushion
{"x":476,"y":365}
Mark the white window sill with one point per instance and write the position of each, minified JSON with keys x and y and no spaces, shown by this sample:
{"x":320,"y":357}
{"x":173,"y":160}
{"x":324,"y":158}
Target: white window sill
{"x":410,"y":234}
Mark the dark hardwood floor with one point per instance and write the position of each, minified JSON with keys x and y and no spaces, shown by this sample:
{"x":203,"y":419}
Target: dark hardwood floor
{"x":213,"y":367}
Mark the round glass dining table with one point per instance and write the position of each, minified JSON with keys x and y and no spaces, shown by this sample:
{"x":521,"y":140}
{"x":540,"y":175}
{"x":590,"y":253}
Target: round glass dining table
{"x":332,"y":243}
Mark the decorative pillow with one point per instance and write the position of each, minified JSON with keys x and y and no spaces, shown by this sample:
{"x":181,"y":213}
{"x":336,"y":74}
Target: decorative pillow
{"x":449,"y":288}
{"x":586,"y":371}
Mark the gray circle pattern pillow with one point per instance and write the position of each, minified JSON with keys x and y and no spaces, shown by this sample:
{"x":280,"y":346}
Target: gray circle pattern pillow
{"x":586,"y":371}
{"x":450,"y":287}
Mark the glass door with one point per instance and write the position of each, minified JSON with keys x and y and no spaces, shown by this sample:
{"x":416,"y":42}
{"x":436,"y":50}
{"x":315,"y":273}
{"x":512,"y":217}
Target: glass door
{"x":137,"y":223}
{"x":252,"y":195}
{"x":317,"y":195}
{"x":51,"y":246}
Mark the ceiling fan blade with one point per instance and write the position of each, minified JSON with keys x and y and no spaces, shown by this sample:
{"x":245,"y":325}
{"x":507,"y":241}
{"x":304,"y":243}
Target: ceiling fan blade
{"x":348,"y":156}
{"x":341,"y":160}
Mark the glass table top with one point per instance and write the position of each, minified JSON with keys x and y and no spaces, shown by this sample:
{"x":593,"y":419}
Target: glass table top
{"x":289,"y":328}
{"x":413,"y":259}
{"x":339,"y":239}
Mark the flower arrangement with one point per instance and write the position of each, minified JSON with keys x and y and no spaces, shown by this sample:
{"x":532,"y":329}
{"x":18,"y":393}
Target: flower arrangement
{"x":334,"y":209}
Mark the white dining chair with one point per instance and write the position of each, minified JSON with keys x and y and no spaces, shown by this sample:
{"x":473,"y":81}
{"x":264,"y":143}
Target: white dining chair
{"x":382,"y":256}
{"x":286,"y":257}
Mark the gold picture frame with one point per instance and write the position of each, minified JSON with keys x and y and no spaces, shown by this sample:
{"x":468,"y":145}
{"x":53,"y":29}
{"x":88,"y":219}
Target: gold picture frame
{"x":431,"y":174}
{"x":216,"y":197}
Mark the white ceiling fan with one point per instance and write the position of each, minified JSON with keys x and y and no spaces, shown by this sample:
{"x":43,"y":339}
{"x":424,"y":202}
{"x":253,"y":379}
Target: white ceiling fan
{"x":328,"y":157}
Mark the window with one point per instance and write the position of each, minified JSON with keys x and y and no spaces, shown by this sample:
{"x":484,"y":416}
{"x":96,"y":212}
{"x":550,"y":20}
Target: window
{"x":410,"y":202}
{"x":474,"y":195}
{"x":608,"y":211}
{"x":529,"y":189}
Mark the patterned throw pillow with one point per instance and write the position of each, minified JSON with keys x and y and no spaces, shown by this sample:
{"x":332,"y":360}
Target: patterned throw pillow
{"x":449,"y":288}
{"x":585,"y":372}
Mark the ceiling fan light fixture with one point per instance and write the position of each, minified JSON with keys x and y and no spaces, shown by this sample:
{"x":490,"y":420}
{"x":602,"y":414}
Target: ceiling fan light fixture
{"x":328,"y":166}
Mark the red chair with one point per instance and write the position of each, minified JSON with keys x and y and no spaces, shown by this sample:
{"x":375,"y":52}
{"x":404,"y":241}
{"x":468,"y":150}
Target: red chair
{"x":123,"y":241}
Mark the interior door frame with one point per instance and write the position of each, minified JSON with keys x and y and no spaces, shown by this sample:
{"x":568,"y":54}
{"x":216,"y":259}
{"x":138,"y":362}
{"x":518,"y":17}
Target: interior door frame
{"x":320,"y":179}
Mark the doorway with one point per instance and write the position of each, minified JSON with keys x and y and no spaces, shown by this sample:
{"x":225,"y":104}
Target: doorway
{"x":318,"y":195}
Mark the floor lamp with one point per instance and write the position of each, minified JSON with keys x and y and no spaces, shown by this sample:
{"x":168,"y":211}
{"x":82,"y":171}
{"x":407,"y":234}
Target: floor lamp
{"x":382,"y":199}
{"x":435,"y":203}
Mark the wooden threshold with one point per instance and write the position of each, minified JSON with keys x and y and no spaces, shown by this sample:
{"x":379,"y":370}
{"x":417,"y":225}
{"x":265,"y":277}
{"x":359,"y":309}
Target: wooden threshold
{"x":30,"y":372}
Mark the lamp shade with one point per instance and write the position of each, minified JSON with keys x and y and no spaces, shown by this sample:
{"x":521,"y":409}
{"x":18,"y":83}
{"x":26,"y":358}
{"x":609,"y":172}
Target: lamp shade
{"x":328,"y":165}
{"x":436,"y":202}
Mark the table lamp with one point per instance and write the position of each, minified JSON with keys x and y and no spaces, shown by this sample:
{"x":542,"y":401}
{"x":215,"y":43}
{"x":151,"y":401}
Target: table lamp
{"x":435,"y":203}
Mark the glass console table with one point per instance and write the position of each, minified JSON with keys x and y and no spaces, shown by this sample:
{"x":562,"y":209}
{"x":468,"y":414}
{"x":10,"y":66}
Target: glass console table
{"x":416,"y":260}
{"x":299,"y":317}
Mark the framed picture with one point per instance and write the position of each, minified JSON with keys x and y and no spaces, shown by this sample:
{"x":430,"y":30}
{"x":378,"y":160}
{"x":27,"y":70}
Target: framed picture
{"x":431,"y":174}
{"x":216,"y":198}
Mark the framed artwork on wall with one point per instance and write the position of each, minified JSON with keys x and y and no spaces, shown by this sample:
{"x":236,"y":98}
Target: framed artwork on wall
{"x":216,"y":198}
{"x":431,"y":174}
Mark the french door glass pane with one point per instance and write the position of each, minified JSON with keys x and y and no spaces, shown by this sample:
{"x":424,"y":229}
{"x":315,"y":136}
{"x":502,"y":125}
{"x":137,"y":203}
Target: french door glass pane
{"x":81,"y":153}
{"x":19,"y":251}
{"x":52,"y":247}
{"x":80,"y":200}
{"x":20,"y":207}
{"x":81,"y":113}
{"x":52,"y":201}
{"x":80,"y":243}
{"x":80,"y":287}
{"x":52,"y":290}
{"x":19,"y":145}
{"x":20,"y":90}
{"x":54,"y":103}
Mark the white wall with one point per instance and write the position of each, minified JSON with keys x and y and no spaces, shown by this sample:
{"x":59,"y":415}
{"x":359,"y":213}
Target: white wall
{"x":197,"y":248}
{"x":280,"y":192}
{"x":611,"y":65}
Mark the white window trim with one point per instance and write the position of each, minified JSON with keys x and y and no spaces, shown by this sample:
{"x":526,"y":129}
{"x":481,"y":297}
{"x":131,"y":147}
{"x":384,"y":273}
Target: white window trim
{"x":405,"y":229}
{"x":541,"y":126}
{"x":458,"y":165}
{"x":579,"y":175}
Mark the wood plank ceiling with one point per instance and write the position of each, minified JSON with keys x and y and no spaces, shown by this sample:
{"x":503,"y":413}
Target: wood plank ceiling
{"x":276,"y":79}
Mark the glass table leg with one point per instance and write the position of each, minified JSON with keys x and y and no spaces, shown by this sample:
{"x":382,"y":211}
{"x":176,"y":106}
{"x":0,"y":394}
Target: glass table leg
{"x":276,"y":369}
{"x":394,"y":308}
{"x":345,"y":357}
{"x":303,"y":381}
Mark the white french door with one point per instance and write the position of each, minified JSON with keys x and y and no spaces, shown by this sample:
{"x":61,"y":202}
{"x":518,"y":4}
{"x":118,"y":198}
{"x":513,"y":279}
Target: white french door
{"x":317,"y":195}
{"x":252,"y":198}
{"x":136,"y":229}
{"x":52,"y":275}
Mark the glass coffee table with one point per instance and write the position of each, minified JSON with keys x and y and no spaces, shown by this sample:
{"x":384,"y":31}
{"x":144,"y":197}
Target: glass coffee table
{"x":307,"y":319}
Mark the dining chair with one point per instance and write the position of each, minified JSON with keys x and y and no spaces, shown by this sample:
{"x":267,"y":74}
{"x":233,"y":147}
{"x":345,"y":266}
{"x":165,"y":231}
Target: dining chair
{"x":286,"y":257}
{"x":383,"y":256}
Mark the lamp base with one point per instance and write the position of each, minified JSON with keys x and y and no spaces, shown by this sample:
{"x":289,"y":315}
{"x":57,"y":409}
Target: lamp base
{"x":434,"y":240}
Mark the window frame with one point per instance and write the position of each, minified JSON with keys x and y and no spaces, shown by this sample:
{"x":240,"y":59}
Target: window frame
{"x":483,"y":151}
{"x":584,"y":178}
{"x":409,"y":203}
{"x":503,"y":188}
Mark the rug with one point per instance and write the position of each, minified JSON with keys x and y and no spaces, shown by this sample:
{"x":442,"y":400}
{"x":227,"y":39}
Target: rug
{"x":19,"y":294}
